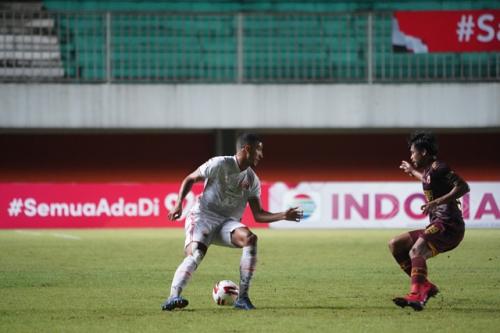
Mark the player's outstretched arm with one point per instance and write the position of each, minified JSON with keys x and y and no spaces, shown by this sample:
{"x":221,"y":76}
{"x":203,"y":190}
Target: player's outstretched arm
{"x":186,"y":186}
{"x":260,"y":215}
{"x":410,"y":170}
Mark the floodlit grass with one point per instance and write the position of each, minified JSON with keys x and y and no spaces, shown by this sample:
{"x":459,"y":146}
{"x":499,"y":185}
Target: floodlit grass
{"x":317,"y":281}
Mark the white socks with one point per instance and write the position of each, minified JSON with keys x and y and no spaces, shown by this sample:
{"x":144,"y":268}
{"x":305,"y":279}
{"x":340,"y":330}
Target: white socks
{"x":247,"y":267}
{"x":190,"y":264}
{"x":183,"y":275}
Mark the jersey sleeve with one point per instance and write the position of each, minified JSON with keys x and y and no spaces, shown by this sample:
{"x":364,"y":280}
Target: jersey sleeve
{"x":209,"y":168}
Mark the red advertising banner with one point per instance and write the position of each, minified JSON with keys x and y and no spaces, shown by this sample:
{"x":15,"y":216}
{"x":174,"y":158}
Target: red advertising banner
{"x":447,"y":31}
{"x":97,"y":205}
{"x":325,"y":205}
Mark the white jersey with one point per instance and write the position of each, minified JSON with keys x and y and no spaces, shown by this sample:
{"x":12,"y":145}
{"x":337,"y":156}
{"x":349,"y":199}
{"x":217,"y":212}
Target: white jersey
{"x":227,"y":188}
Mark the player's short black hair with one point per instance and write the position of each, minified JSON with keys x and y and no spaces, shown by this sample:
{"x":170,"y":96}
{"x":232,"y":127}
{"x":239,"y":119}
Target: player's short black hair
{"x":424,"y":140}
{"x":251,"y":139}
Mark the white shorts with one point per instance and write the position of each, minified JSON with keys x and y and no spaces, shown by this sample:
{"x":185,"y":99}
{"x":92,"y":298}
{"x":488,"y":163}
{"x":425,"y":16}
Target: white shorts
{"x":209,"y":230}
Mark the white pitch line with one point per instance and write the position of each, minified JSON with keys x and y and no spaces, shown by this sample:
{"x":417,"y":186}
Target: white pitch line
{"x":30,"y":233}
{"x":55,"y":234}
{"x":65,"y":236}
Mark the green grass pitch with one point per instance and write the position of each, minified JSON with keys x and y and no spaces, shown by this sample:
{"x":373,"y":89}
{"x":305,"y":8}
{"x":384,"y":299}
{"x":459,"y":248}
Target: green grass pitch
{"x":306,"y":281}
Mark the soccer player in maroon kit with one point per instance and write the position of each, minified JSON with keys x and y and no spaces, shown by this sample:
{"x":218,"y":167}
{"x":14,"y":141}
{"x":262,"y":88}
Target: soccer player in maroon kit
{"x":442,"y":189}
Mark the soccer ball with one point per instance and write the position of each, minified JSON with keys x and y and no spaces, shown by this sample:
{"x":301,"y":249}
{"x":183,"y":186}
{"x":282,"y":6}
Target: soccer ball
{"x":225,"y":292}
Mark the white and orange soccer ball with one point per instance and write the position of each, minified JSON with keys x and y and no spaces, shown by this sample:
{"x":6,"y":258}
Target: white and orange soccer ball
{"x":225,"y":292}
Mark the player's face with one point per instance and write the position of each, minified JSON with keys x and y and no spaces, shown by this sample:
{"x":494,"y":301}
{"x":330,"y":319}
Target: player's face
{"x":256,"y":154}
{"x":417,"y":157}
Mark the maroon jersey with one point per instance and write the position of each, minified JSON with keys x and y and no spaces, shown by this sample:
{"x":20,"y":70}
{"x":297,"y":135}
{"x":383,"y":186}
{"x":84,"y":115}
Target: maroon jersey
{"x":438,"y":180}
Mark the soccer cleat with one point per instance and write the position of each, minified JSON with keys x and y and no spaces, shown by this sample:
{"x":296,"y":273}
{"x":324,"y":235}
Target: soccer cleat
{"x":177,"y":302}
{"x":414,"y":300}
{"x":429,"y":290}
{"x":244,"y":303}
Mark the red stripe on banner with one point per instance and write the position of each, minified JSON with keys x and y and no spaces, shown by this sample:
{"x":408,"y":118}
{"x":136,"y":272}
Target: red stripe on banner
{"x":35,"y":205}
{"x":450,"y":31}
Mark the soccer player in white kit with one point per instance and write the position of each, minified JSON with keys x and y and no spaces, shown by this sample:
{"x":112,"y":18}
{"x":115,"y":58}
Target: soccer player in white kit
{"x":230,"y":182}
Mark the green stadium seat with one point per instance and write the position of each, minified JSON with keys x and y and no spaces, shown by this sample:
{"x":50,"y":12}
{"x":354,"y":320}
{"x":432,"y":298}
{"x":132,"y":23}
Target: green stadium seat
{"x":276,"y":48}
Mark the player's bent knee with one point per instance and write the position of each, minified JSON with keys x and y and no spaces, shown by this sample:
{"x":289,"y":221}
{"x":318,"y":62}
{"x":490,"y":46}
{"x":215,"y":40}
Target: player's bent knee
{"x":392,"y":244}
{"x":395,"y":245}
{"x":243,"y":237}
{"x":399,"y":244}
{"x":197,"y":252}
{"x":251,"y":239}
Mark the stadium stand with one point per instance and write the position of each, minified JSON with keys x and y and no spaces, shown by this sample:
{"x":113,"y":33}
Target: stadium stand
{"x":228,"y":42}
{"x":29,"y":46}
{"x":236,"y":41}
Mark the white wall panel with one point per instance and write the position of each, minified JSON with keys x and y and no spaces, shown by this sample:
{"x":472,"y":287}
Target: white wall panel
{"x":242,"y":106}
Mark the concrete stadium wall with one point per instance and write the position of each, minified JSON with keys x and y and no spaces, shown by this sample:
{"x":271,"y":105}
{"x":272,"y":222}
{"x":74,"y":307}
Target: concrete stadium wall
{"x":342,"y":106}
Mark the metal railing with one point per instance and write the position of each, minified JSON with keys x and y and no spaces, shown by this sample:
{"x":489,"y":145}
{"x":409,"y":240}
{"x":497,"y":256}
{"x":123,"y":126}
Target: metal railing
{"x":220,"y":48}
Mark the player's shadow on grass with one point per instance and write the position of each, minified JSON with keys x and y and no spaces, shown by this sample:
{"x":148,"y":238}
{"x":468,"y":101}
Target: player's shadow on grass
{"x":329,"y":307}
{"x":308,"y":307}
{"x":302,"y":308}
{"x":344,"y":308}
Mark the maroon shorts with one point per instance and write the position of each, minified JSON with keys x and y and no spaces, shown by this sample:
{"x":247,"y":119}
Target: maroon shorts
{"x":440,"y":236}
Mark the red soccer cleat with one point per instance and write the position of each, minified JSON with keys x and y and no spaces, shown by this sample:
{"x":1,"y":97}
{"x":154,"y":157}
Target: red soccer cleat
{"x":429,"y":290}
{"x":415,"y":300}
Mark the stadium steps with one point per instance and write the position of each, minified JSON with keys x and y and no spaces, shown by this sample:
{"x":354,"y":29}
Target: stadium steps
{"x":28,"y":44}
